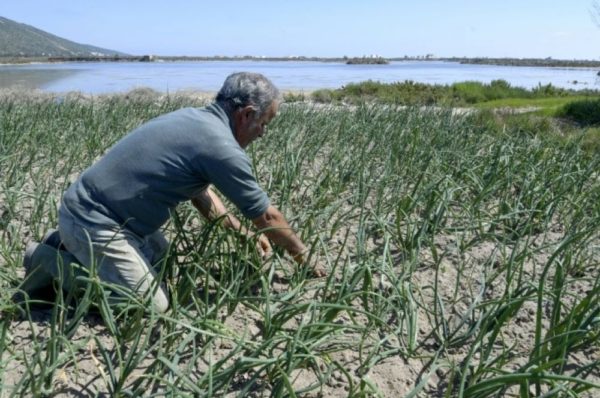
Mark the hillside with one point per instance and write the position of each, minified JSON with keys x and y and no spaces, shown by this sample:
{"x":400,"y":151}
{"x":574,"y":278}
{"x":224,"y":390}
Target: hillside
{"x":21,"y":40}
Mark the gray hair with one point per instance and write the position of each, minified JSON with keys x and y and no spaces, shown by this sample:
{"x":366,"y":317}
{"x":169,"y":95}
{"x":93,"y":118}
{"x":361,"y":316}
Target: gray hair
{"x":244,"y":88}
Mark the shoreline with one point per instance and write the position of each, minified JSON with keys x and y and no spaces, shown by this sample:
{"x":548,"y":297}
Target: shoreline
{"x":135,"y":92}
{"x":526,"y":62}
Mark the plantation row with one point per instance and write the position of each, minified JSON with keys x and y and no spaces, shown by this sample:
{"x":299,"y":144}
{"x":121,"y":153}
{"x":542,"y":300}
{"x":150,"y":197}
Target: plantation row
{"x":463,"y":255}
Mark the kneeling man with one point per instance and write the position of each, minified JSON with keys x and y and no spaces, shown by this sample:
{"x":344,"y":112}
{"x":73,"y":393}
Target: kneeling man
{"x":112,"y":214}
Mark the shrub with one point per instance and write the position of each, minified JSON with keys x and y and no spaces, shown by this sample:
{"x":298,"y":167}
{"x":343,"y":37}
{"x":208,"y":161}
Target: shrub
{"x":476,"y":92}
{"x":548,"y":90}
{"x":322,"y":96}
{"x":585,"y":112}
{"x":591,"y":140}
{"x":293,"y":97}
{"x":469,"y":92}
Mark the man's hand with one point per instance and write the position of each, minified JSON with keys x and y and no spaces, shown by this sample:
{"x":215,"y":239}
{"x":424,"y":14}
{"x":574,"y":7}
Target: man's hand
{"x":275,"y":227}
{"x":312,"y":263}
{"x":263,"y":247}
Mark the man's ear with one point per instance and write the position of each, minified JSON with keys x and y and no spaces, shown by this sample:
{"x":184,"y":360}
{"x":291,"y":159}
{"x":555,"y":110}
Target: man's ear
{"x":247,"y":112}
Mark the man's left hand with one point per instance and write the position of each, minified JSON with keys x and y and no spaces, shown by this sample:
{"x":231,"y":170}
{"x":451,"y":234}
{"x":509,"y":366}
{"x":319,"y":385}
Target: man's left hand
{"x":312,"y":263}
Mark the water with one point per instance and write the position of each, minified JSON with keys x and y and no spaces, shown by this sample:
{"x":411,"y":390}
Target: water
{"x":106,"y":77}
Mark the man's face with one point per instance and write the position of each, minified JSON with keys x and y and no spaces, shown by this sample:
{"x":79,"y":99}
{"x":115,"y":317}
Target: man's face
{"x":248,"y":128}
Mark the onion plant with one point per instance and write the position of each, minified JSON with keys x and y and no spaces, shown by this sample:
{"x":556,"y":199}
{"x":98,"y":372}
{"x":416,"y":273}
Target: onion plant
{"x":463,"y":248}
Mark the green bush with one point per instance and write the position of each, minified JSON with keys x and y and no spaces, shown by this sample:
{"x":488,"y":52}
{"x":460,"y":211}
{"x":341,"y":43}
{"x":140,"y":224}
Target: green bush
{"x":476,"y":92}
{"x":584,"y":112}
{"x":548,"y":90}
{"x":469,"y":92}
{"x":294,"y":97}
{"x":457,"y":94}
{"x":322,"y":96}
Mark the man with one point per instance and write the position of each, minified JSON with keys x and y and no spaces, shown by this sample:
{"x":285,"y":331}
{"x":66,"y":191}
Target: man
{"x":112,"y":213}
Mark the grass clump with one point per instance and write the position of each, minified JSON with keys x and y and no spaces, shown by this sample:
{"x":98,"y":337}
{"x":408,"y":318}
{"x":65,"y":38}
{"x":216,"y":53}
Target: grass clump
{"x":476,"y":92}
{"x":585,"y":112}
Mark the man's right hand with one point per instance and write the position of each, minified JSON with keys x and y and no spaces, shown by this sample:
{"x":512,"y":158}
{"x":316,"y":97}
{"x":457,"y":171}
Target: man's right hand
{"x":263,"y":246}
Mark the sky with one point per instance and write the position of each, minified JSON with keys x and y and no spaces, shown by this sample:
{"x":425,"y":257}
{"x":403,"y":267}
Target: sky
{"x":561,"y":29}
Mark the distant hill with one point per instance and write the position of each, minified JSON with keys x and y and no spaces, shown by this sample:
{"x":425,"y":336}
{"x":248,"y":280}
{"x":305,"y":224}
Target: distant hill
{"x":21,"y":40}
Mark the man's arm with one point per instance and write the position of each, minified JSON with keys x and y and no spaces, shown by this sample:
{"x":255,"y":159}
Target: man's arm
{"x":272,"y":223}
{"x":275,"y":226}
{"x":212,"y":208}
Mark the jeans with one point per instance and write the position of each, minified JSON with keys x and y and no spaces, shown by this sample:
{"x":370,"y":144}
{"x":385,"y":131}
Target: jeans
{"x":121,"y":257}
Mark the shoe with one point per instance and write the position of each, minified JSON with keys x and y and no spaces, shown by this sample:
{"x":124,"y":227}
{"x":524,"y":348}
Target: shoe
{"x":36,"y":277}
{"x":40,"y":258}
{"x":28,"y":257}
{"x":45,"y":264}
{"x":52,"y":238}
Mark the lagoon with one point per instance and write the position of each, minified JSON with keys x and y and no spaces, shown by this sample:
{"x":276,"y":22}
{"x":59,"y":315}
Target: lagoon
{"x":110,"y":77}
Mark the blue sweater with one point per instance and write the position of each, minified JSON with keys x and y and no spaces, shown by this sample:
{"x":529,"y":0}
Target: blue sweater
{"x":165,"y":161}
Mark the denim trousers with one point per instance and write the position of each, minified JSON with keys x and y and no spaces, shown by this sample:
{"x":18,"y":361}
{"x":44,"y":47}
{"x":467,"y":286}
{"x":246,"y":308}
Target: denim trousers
{"x":120,"y":257}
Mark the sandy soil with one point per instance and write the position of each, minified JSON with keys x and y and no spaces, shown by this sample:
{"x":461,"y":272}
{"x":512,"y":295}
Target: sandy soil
{"x":84,"y":374}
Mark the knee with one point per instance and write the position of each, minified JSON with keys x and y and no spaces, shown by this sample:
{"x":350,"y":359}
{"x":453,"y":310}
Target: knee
{"x":161,"y":301}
